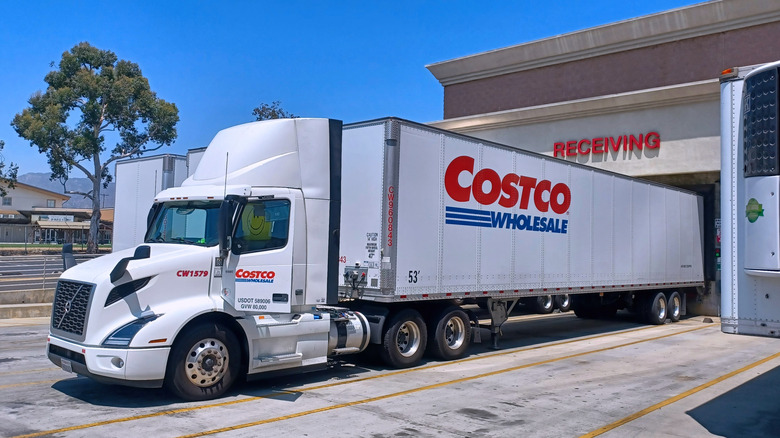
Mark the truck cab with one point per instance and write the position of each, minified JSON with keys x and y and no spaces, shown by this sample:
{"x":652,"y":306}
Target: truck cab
{"x":233,"y":276}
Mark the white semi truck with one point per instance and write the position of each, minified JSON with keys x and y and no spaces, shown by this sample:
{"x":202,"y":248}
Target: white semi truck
{"x":298,"y":240}
{"x":750,"y":190}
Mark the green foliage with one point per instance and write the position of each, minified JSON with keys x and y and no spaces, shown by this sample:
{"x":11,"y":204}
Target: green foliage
{"x":90,"y":94}
{"x":272,"y":111}
{"x":7,"y":176}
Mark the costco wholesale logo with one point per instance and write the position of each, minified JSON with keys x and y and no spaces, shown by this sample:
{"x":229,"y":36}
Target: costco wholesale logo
{"x":487,"y":187}
{"x":243,"y":276}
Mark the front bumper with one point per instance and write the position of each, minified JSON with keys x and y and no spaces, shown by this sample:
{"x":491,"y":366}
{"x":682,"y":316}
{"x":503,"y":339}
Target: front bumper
{"x":139,"y":367}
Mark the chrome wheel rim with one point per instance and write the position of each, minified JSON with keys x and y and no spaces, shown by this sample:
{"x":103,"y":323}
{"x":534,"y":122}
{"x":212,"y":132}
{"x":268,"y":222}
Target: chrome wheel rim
{"x":661,"y":310}
{"x":674,"y":307}
{"x":408,"y":339}
{"x":454,"y":333}
{"x":207,"y":362}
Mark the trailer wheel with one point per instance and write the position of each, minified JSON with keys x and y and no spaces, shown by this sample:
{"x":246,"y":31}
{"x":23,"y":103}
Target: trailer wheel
{"x":563,"y":302}
{"x":655,"y":309}
{"x":452,"y":335}
{"x":543,"y":304}
{"x":674,"y":306}
{"x":403,"y":345}
{"x":203,"y":363}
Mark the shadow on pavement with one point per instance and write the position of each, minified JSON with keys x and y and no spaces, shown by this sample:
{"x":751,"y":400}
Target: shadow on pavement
{"x":749,"y":410}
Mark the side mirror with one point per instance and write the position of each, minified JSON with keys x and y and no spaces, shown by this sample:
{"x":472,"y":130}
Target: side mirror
{"x":225,"y":222}
{"x":224,"y":229}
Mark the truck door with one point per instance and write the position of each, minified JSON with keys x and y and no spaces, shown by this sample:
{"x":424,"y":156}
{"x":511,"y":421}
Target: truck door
{"x":262,"y":257}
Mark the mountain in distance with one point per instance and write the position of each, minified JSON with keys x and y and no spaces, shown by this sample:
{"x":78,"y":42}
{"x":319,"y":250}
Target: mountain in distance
{"x":41,"y":180}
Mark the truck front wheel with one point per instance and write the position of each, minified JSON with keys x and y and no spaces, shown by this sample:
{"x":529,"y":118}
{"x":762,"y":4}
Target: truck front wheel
{"x":450,"y":339}
{"x":203,"y":363}
{"x":403,"y":345}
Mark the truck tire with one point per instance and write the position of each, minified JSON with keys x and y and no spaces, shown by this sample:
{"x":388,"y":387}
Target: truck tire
{"x":563,"y":302}
{"x":403,"y":344}
{"x":452,"y":335}
{"x":543,"y":304}
{"x":203,"y":363}
{"x":655,"y":309}
{"x":674,"y":306}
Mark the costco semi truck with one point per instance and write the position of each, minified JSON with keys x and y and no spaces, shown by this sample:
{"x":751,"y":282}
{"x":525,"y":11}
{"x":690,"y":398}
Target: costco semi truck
{"x":750,"y":189}
{"x":298,"y":240}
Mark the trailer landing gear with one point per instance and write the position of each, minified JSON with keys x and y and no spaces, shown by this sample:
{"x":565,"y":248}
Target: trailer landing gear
{"x":499,"y":313}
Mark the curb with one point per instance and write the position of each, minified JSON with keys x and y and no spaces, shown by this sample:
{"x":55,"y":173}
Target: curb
{"x":35,"y":310}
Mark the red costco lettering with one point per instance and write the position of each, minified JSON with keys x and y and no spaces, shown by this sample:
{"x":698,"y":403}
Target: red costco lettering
{"x":255,"y":274}
{"x":509,"y":191}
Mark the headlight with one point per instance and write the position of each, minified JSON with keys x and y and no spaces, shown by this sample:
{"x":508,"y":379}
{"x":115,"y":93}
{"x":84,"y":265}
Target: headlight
{"x":123,"y":335}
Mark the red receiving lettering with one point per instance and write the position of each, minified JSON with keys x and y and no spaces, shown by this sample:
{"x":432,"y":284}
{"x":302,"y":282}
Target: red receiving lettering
{"x":571,"y":148}
{"x":613,"y":146}
{"x":598,"y":145}
{"x":634,"y":142}
{"x":653,"y":140}
{"x":579,"y":147}
{"x":559,"y":147}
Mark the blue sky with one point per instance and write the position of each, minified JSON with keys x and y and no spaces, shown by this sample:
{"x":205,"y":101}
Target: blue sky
{"x":348,"y":60}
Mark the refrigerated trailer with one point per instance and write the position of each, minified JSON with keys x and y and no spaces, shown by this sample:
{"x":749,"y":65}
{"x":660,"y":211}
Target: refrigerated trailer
{"x":750,"y":213}
{"x":298,"y":240}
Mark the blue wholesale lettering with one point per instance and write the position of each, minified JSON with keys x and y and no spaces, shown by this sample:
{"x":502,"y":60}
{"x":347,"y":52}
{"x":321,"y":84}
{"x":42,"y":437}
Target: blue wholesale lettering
{"x":494,"y":219}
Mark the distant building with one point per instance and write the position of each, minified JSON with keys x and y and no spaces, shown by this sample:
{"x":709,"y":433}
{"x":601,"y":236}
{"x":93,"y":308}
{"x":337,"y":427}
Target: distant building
{"x":34,"y":215}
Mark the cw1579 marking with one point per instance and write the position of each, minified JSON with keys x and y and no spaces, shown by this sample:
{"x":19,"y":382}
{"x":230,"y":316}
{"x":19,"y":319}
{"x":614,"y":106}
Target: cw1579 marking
{"x":185,"y":273}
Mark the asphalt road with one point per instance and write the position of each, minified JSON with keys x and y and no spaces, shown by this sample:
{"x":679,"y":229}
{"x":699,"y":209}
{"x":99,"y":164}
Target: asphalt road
{"x":555,"y":376}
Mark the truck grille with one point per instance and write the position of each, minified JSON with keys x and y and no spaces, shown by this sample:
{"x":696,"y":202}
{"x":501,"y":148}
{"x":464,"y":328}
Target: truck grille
{"x":760,"y":124}
{"x":71,"y":307}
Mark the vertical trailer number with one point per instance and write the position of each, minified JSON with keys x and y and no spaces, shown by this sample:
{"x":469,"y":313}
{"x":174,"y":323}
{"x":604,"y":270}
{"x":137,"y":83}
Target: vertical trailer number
{"x":413,"y":276}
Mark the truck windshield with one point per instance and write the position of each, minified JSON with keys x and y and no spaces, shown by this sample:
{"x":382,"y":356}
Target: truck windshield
{"x":187,"y":222}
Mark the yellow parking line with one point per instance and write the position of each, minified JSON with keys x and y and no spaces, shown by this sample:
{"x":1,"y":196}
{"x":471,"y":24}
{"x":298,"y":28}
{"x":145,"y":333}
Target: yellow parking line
{"x":677,"y":398}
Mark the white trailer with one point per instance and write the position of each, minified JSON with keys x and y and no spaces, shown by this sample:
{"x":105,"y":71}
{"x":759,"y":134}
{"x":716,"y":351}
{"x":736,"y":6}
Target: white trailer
{"x":138,"y":180}
{"x":750,"y":188}
{"x":295,"y":241}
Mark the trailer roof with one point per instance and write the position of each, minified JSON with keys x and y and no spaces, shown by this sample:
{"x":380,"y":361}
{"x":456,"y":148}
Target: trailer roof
{"x":511,"y":148}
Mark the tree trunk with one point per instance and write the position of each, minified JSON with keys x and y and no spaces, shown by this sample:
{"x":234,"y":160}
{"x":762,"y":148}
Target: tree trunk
{"x":94,"y":222}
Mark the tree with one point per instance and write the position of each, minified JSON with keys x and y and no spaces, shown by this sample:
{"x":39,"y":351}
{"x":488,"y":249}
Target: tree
{"x":7,"y":177}
{"x":272,"y":111}
{"x":92,"y":95}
